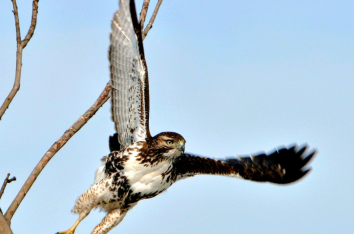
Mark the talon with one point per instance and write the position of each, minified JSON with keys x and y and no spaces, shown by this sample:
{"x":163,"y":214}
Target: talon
{"x":70,"y":231}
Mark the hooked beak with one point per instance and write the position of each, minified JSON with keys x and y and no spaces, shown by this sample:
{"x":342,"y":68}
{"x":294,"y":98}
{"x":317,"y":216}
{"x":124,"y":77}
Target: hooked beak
{"x":181,"y":146}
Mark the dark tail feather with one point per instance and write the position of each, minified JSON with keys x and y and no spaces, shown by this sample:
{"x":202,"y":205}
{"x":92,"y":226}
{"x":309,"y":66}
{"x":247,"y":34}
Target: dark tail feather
{"x":114,"y":143}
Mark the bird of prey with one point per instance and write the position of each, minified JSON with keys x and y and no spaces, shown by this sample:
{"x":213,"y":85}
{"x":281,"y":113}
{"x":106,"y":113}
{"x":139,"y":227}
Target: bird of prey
{"x":142,"y":166}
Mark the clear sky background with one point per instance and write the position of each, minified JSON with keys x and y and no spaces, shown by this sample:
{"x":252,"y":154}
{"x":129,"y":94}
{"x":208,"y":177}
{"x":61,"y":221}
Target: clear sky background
{"x":233,"y":77}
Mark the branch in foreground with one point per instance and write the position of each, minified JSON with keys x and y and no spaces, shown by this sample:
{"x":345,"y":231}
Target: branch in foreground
{"x":149,"y":26}
{"x":20,"y":46}
{"x":6,"y":181}
{"x":55,"y":148}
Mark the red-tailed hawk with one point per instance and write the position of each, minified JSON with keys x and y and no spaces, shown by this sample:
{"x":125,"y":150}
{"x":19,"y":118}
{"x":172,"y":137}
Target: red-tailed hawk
{"x":141,"y":166}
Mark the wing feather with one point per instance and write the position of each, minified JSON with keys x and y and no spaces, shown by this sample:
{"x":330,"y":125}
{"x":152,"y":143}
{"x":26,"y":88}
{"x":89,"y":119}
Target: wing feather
{"x":129,"y":77}
{"x":282,"y":166}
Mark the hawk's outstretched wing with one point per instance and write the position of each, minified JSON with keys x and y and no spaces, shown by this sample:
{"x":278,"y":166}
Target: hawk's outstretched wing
{"x":129,"y":77}
{"x":282,"y":166}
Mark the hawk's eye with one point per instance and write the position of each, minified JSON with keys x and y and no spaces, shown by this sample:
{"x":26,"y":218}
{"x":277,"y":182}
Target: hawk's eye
{"x":169,"y":142}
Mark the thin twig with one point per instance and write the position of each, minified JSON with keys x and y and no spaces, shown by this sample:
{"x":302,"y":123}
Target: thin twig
{"x":4,"y":185}
{"x":20,"y":46}
{"x":149,"y":26}
{"x":143,"y":13}
{"x":16,"y":86}
{"x":6,"y":181}
{"x":33,"y":23}
{"x":4,"y":225}
{"x":17,"y":22}
{"x":55,"y":148}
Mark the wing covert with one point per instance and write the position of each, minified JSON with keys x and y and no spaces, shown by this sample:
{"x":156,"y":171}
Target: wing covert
{"x":129,"y":77}
{"x":282,"y":166}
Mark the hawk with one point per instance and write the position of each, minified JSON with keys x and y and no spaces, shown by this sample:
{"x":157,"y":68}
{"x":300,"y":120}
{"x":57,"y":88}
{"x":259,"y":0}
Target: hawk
{"x":142,"y":166}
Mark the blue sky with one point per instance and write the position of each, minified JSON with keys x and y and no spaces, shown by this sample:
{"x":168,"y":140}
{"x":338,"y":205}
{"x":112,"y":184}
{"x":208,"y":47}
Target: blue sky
{"x":232,"y":77}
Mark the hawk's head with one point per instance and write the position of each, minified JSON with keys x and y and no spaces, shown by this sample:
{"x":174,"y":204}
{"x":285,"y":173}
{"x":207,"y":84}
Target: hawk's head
{"x":169,"y":144}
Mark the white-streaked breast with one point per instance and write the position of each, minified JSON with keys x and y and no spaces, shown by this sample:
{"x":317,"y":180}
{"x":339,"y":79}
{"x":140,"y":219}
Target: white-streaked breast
{"x":145,"y":179}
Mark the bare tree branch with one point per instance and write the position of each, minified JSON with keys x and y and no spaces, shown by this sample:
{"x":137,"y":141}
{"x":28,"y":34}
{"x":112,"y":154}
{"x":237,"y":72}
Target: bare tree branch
{"x":55,"y":148}
{"x":149,"y":26}
{"x":20,"y":46}
{"x":143,"y":13}
{"x":4,"y":225}
{"x":6,"y":181}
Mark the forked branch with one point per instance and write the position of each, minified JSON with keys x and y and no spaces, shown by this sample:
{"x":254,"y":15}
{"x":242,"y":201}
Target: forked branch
{"x":6,"y":181}
{"x":20,"y":46}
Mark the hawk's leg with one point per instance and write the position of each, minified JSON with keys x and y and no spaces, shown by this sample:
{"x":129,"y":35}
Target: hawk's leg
{"x":72,"y":229}
{"x":112,"y":219}
{"x":87,"y":201}
{"x":92,"y":197}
